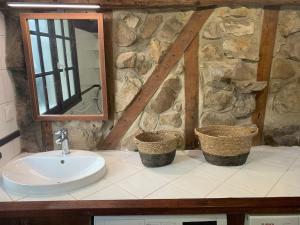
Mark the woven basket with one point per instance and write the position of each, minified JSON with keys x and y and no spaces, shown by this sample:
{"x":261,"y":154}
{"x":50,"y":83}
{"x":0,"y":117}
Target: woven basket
{"x":226,"y":145}
{"x":157,"y":148}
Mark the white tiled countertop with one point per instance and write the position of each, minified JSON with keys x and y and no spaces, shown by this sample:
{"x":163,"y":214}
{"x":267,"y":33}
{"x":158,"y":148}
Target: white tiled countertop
{"x":268,"y":172}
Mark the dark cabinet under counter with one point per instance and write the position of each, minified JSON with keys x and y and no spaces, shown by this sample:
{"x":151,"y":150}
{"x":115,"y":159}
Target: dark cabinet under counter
{"x":83,"y":212}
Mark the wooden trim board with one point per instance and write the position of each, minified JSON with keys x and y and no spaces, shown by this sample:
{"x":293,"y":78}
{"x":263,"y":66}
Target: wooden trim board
{"x":30,"y":68}
{"x":109,"y":61}
{"x":231,"y":206}
{"x":189,"y":3}
{"x":267,"y":43}
{"x":191,"y":83}
{"x":171,"y":58}
{"x":123,"y":4}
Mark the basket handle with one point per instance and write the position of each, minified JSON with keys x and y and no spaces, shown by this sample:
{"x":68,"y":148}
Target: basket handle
{"x":253,"y":129}
{"x":196,"y":131}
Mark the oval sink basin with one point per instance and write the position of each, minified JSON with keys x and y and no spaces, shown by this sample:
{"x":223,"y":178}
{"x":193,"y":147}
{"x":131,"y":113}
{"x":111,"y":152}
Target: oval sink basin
{"x":51,"y":172}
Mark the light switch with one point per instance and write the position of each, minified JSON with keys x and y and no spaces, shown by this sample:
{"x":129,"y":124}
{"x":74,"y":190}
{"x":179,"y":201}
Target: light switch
{"x":9,"y":112}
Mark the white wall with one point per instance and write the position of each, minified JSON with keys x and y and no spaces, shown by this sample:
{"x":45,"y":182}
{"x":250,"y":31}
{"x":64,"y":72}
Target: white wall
{"x":88,"y":58}
{"x":8,"y":122}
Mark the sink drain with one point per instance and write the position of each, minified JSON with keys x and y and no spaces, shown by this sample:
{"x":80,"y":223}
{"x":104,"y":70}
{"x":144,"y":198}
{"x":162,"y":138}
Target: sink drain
{"x":62,"y":161}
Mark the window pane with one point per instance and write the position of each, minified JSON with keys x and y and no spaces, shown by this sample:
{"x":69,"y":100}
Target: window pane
{"x":72,"y":83}
{"x":41,"y":95}
{"x":60,"y":52}
{"x":51,"y":91}
{"x":69,"y":55}
{"x":43,"y":26}
{"x":35,"y":54}
{"x":31,"y":24}
{"x":64,"y":85}
{"x":57,"y":26}
{"x":66,"y":28}
{"x":46,"y":54}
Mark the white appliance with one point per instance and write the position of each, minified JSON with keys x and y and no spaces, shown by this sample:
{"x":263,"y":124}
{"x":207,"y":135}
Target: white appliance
{"x":272,"y":220}
{"x":219,"y":219}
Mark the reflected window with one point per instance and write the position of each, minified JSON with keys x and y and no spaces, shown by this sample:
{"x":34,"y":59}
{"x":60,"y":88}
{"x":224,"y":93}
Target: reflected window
{"x":55,"y":64}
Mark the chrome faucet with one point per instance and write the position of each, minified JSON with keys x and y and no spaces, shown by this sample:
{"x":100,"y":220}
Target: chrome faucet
{"x":63,"y":140}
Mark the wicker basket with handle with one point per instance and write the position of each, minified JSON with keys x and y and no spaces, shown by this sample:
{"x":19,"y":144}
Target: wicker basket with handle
{"x":226,"y":145}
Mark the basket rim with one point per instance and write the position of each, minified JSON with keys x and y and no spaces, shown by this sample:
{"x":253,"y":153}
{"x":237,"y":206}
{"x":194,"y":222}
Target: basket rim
{"x":254,"y":132}
{"x":157,"y":142}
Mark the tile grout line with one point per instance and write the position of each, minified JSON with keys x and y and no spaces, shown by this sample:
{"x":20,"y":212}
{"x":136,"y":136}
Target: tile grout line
{"x":114,"y":183}
{"x":176,"y":178}
{"x":11,"y":199}
{"x":110,"y":184}
{"x":92,"y":192}
{"x":172,"y":180}
{"x":144,"y":169}
{"x":127,"y":191}
{"x":237,"y":172}
{"x":218,"y":186}
{"x":74,"y":197}
{"x":168,"y":181}
{"x":122,"y":179}
{"x":284,"y":173}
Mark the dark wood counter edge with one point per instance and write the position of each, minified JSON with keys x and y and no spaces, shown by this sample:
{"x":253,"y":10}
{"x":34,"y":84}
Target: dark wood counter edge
{"x":151,"y":207}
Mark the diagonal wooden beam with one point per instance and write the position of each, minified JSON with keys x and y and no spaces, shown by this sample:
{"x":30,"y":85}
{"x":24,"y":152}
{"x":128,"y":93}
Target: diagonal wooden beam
{"x":175,"y":52}
{"x":191,"y":83}
{"x":267,"y":43}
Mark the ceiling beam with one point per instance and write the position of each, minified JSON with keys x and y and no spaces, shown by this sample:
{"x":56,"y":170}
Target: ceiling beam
{"x":123,"y":4}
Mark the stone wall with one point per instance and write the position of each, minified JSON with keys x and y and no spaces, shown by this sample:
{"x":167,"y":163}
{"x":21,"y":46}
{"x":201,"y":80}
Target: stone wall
{"x":228,"y":59}
{"x":30,"y":130}
{"x":282,"y":124}
{"x":143,"y":38}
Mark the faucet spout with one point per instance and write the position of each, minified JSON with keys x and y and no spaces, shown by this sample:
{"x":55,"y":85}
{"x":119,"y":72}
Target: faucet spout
{"x":63,"y":140}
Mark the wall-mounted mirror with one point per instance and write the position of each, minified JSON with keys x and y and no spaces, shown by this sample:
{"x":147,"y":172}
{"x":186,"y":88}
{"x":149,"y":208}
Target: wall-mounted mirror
{"x":66,"y":65}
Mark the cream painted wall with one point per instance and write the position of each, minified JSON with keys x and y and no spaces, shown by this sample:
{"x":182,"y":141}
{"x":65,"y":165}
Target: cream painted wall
{"x":8,"y":121}
{"x":88,"y":58}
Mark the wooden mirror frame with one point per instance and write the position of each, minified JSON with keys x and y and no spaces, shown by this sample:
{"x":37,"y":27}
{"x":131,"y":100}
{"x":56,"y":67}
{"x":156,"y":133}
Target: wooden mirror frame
{"x":30,"y":66}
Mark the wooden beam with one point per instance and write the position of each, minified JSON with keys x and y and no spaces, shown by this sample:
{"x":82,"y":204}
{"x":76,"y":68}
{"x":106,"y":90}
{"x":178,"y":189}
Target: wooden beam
{"x":171,"y":58}
{"x":109,"y":62}
{"x":191,"y":83}
{"x":47,"y":136}
{"x":189,"y":3}
{"x":232,"y":206}
{"x":267,"y":44}
{"x":123,"y":4}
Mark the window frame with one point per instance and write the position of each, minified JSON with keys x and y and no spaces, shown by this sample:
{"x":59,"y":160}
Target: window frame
{"x":61,"y":105}
{"x":30,"y":66}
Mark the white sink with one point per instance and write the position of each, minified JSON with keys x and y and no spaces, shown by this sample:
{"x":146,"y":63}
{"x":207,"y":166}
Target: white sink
{"x":51,"y":172}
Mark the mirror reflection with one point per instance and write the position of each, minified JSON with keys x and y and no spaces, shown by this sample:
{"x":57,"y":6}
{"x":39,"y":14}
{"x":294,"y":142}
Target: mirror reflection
{"x":65,"y":55}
